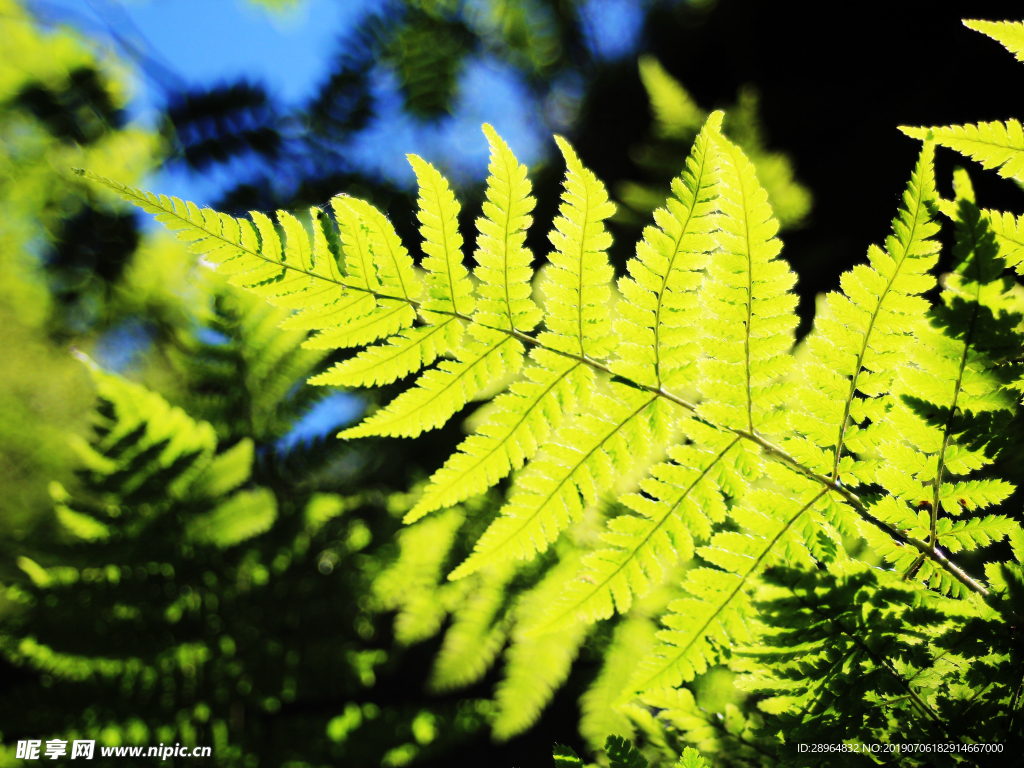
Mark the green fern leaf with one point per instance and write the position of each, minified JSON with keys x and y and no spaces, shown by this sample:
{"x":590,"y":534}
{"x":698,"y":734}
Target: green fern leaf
{"x":577,"y":281}
{"x":227,"y":471}
{"x":718,"y":612}
{"x":1009,"y":232}
{"x":296,"y":276}
{"x":633,"y":639}
{"x":535,"y":667}
{"x":729,"y":732}
{"x":959,"y":372}
{"x":392,"y":261}
{"x":585,"y":459}
{"x":409,"y":584}
{"x":680,"y":504}
{"x":994,"y":145}
{"x":239,"y":518}
{"x":448,"y":286}
{"x":376,"y":265}
{"x":402,"y":354}
{"x":565,"y":757}
{"x":658,"y":321}
{"x":477,"y":633}
{"x":503,"y":262}
{"x":522,"y":420}
{"x":691,"y":758}
{"x":748,"y":318}
{"x":976,"y":532}
{"x":143,"y":438}
{"x":856,"y":345}
{"x":676,"y":114}
{"x":1009,"y":33}
{"x":440,"y":392}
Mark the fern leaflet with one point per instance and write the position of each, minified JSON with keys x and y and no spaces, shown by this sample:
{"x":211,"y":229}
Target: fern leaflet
{"x":577,"y":322}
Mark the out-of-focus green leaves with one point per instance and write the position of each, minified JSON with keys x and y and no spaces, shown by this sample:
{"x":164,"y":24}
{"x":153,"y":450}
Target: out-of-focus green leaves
{"x":240,"y":517}
{"x":68,"y":259}
{"x":677,"y":118}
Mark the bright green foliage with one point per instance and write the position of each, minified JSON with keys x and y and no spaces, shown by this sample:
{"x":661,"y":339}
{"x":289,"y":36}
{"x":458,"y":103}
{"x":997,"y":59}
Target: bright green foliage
{"x":729,"y":732}
{"x":658,"y":317}
{"x":748,"y":313}
{"x":680,"y":504}
{"x":622,"y":754}
{"x":524,"y":417}
{"x":681,"y":455}
{"x":1009,"y":33}
{"x":565,"y":756}
{"x":503,"y":263}
{"x":535,"y":667}
{"x":143,"y":438}
{"x":1009,"y":232}
{"x":994,"y":144}
{"x":577,"y":280}
{"x":584,"y":460}
{"x":947,"y":400}
{"x":406,"y":585}
{"x":477,"y":634}
{"x":691,"y":758}
{"x":861,"y":339}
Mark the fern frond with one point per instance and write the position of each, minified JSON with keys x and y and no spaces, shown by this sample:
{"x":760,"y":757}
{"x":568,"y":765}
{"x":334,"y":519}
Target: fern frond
{"x":535,"y":667}
{"x":405,"y":353}
{"x":633,"y":639}
{"x":237,"y":519}
{"x":391,"y":259}
{"x":503,"y":262}
{"x":442,"y":391}
{"x":142,"y":440}
{"x":959,"y":375}
{"x":679,"y":505}
{"x":857,"y":342}
{"x":296,"y":276}
{"x":976,"y":532}
{"x":658,"y":313}
{"x":448,"y":286}
{"x":748,"y":313}
{"x":622,"y":754}
{"x":818,"y":628}
{"x":369,"y":246}
{"x":477,"y":633}
{"x":576,"y":315}
{"x":730,"y":733}
{"x":522,"y":420}
{"x":1009,"y":33}
{"x":676,"y":114}
{"x":409,"y":584}
{"x":1009,"y":232}
{"x":585,"y":459}
{"x":577,"y":322}
{"x":994,"y":145}
{"x":777,"y":528}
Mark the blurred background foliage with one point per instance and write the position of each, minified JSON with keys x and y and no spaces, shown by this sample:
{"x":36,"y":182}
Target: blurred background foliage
{"x":186,"y":552}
